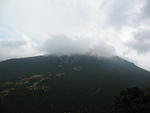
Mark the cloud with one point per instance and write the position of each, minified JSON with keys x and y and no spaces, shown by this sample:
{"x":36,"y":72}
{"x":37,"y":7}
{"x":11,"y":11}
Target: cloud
{"x":103,"y":50}
{"x":141,"y":42}
{"x":14,"y":44}
{"x":65,"y":45}
{"x":62,"y":44}
{"x":96,"y":27}
{"x":146,"y":9}
{"x":10,"y":48}
{"x":121,"y":13}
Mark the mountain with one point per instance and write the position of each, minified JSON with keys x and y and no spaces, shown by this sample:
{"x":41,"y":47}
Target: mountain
{"x":66,"y":83}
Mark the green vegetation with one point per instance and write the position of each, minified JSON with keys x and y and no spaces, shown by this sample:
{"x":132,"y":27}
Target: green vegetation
{"x":132,"y":100}
{"x":58,"y":84}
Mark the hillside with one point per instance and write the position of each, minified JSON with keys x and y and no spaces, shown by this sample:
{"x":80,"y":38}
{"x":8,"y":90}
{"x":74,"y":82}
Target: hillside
{"x":65,"y":83}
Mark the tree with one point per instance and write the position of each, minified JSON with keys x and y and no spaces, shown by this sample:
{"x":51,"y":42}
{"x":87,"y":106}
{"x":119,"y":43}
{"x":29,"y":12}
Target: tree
{"x":132,"y":100}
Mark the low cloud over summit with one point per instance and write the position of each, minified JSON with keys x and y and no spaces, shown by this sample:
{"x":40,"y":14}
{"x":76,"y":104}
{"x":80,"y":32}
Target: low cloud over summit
{"x":64,"y":45}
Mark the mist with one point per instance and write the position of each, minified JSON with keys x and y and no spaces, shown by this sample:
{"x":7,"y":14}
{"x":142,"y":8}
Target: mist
{"x":94,"y":27}
{"x":64,"y":45}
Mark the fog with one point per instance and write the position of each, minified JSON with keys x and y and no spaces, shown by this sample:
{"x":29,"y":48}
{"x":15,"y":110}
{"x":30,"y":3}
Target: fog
{"x":96,"y":27}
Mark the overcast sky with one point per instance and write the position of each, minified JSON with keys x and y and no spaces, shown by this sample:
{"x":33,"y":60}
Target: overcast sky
{"x":98,"y":27}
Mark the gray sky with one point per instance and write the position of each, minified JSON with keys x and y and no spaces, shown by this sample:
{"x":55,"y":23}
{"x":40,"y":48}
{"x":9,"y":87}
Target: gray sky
{"x":98,"y":27}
